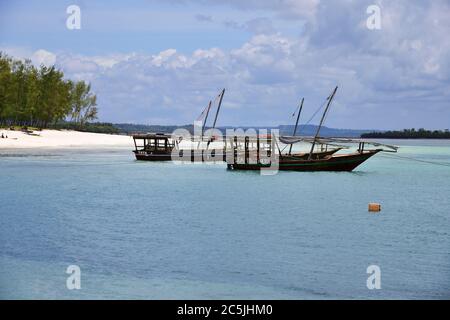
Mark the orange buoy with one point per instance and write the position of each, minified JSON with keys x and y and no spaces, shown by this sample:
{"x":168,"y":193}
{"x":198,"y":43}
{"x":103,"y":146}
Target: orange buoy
{"x":374,"y":207}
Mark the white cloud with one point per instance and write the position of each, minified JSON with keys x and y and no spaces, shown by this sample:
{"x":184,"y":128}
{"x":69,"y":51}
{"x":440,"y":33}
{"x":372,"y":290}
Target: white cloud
{"x":37,"y":57}
{"x":43,"y":57}
{"x":397,"y":76}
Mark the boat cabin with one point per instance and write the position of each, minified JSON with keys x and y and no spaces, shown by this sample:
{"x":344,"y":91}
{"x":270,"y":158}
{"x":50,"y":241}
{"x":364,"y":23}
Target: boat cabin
{"x":250,"y":149}
{"x":153,"y":146}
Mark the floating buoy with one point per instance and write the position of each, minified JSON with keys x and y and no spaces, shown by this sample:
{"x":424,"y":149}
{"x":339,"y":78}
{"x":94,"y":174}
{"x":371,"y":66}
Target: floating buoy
{"x":374,"y":207}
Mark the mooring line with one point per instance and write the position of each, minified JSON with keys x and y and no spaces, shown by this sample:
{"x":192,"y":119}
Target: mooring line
{"x":445,"y":164}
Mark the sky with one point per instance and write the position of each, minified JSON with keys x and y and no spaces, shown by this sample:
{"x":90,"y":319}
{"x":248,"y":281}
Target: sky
{"x":160,"y":62}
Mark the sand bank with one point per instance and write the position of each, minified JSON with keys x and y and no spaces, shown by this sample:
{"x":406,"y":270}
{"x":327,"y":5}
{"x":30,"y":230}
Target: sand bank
{"x":62,"y":138}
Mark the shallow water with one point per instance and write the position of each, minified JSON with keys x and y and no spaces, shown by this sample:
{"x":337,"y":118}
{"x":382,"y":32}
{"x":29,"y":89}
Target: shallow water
{"x":197,"y":231}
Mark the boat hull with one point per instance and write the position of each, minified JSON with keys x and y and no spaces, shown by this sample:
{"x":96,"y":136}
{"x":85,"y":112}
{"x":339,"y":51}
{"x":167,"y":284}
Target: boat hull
{"x":192,"y":156}
{"x":152,"y":157}
{"x":345,"y":162}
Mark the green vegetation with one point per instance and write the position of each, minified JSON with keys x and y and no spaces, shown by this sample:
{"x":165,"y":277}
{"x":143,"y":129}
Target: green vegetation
{"x":409,"y":134}
{"x":97,"y":127}
{"x":41,"y":97}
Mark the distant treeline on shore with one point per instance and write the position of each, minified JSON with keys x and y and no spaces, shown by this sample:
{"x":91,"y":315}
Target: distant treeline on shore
{"x":409,"y":134}
{"x":97,"y":127}
{"x":304,"y":130}
{"x":42,"y":97}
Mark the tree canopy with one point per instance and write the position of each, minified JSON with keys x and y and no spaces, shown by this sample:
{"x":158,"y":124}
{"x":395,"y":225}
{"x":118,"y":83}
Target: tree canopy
{"x":409,"y":134}
{"x":40,"y":97}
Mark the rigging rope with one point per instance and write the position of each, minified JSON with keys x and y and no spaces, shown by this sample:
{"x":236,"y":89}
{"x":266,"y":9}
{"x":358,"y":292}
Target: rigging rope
{"x":295,"y":111}
{"x":392,"y":156}
{"x":317,"y":111}
{"x":200,"y":117}
{"x":208,"y":107}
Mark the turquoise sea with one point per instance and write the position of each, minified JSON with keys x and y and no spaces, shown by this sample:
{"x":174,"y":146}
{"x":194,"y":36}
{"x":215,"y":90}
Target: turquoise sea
{"x":196,"y":231}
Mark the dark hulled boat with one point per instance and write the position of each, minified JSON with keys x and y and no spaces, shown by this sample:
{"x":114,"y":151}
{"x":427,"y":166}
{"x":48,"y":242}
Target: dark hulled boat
{"x":326,"y":160}
{"x":340,"y":162}
{"x":153,"y":147}
{"x":161,"y":147}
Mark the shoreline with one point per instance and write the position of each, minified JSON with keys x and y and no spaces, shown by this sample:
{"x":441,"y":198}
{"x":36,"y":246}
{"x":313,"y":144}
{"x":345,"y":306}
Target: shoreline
{"x":50,"y":138}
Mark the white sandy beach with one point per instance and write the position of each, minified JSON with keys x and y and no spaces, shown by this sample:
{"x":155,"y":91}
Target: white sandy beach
{"x":62,"y":138}
{"x":69,"y":138}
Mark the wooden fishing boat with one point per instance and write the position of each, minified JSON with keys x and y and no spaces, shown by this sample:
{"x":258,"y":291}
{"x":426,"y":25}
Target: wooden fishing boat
{"x":326,"y":160}
{"x":268,"y":155}
{"x":341,"y":162}
{"x":162,"y":147}
{"x":153,"y":146}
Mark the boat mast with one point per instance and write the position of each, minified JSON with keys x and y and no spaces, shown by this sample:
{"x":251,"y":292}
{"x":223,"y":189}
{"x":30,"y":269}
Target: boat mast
{"x":296,"y":123}
{"x":321,"y":122}
{"x":206,"y":118}
{"x":217,"y":114}
{"x":218,"y":108}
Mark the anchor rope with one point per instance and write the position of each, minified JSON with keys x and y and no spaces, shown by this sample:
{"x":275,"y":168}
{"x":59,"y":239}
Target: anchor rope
{"x":392,"y":156}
